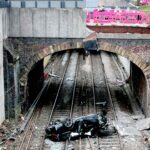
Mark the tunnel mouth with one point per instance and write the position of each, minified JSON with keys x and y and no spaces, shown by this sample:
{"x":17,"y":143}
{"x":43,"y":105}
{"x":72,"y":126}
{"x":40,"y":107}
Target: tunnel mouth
{"x":36,"y":81}
{"x":77,"y":85}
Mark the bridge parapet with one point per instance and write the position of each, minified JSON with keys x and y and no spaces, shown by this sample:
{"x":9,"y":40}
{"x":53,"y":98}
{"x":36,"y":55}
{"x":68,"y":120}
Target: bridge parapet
{"x":61,"y":23}
{"x":42,"y":4}
{"x":49,"y":23}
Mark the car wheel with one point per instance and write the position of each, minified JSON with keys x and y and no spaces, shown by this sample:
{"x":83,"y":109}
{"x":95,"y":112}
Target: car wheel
{"x":68,"y":122}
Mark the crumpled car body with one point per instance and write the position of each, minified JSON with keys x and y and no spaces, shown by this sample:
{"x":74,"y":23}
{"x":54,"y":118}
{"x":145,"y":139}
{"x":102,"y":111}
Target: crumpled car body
{"x":90,"y":125}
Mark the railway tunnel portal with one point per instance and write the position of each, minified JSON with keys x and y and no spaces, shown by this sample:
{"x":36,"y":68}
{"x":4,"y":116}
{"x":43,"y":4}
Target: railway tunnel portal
{"x":30,"y":36}
{"x":135,"y":51}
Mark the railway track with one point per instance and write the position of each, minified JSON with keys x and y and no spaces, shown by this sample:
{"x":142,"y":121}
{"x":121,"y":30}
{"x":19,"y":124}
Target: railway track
{"x":90,"y":88}
{"x":113,"y":142}
{"x":108,"y":142}
{"x":59,"y":107}
{"x":27,"y":139}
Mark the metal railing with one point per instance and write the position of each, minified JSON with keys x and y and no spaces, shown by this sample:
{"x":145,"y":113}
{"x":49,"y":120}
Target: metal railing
{"x":43,"y":3}
{"x":4,"y":4}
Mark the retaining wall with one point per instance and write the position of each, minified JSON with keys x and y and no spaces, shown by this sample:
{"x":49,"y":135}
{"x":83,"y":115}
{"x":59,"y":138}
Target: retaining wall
{"x":3,"y":35}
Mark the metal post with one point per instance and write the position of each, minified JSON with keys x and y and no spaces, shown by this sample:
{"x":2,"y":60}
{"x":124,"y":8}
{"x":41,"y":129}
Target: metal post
{"x":49,"y":3}
{"x":62,"y":3}
{"x":76,"y":3}
{"x":35,"y":3}
{"x":23,"y":4}
{"x":8,"y":3}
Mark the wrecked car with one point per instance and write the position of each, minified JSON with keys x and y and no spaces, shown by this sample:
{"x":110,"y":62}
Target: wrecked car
{"x":90,"y":125}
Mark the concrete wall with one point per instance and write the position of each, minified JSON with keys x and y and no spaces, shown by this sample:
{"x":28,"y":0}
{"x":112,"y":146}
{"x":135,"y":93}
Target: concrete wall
{"x":53,"y":22}
{"x":5,"y":23}
{"x":66,"y":23}
{"x":3,"y":35}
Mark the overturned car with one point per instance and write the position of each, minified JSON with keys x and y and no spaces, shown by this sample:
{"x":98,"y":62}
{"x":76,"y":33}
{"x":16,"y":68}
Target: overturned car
{"x":91,"y":125}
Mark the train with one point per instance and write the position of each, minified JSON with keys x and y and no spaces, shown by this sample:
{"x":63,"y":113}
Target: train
{"x":117,"y":17}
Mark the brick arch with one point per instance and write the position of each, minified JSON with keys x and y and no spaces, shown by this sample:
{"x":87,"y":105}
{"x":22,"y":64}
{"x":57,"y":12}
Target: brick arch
{"x":137,"y":60}
{"x":51,"y":49}
{"x":133,"y":57}
{"x":105,"y":46}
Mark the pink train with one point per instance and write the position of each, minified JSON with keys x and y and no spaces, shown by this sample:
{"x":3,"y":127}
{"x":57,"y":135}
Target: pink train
{"x":117,"y":17}
{"x":145,"y":2}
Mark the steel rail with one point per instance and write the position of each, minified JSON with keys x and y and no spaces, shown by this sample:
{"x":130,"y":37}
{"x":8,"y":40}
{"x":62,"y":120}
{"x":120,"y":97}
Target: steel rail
{"x":30,"y":117}
{"x":32,"y":129}
{"x":55,"y":101}
{"x":110,"y":97}
{"x":127,"y":90}
{"x":83,"y":84}
{"x":25,"y":134}
{"x":80,"y":141}
{"x":38,"y":114}
{"x":93,"y":88}
{"x":108,"y":89}
{"x":74,"y":89}
{"x":33,"y":126}
{"x":73,"y":96}
{"x":32,"y":123}
{"x":124,"y":77}
{"x":33,"y":107}
{"x":81,"y":110}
